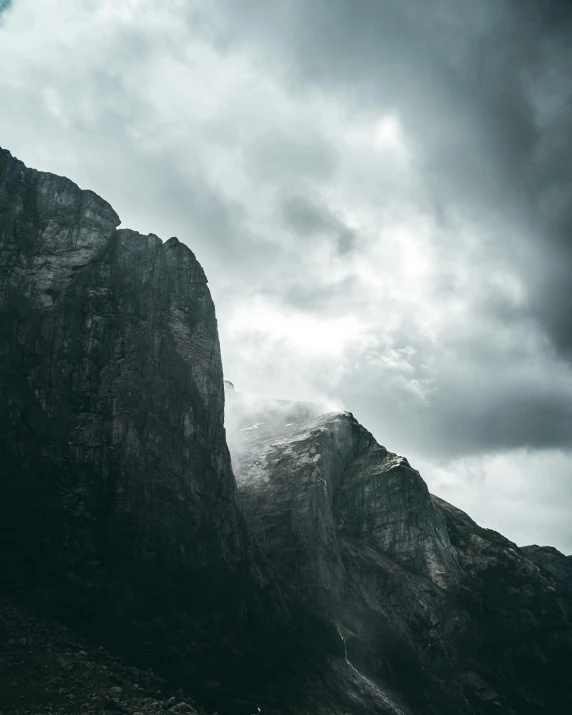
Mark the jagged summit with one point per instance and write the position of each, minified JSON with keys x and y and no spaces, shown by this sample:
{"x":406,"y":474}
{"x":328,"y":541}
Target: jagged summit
{"x":330,"y":469}
{"x":245,"y":413}
{"x":425,"y":601}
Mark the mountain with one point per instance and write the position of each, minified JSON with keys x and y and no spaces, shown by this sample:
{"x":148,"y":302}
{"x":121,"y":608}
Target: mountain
{"x":552,"y":562}
{"x":118,"y":506}
{"x":437,"y":612}
{"x":308,"y":571}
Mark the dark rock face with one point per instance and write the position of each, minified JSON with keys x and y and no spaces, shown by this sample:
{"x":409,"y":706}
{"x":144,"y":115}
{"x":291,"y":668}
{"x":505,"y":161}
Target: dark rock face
{"x":552,"y":561}
{"x":45,"y":667}
{"x":118,"y":505}
{"x":436,"y":613}
{"x":110,"y":369}
{"x":304,"y":483}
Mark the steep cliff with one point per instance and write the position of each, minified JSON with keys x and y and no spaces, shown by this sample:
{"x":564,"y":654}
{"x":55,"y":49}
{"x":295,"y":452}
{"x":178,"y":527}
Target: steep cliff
{"x":118,"y":509}
{"x":436,"y":613}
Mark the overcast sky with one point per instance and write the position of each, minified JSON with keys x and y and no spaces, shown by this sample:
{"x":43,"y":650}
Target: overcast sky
{"x":380,"y":192}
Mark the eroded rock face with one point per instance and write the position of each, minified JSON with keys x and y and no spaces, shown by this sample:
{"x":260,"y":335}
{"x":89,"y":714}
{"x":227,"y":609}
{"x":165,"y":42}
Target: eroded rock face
{"x":436,"y":613}
{"x":110,"y":370}
{"x":552,"y":561}
{"x":307,"y":481}
{"x":118,"y":507}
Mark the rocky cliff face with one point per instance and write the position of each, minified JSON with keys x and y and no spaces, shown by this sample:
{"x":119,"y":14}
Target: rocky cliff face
{"x":110,"y":369}
{"x":118,"y":507}
{"x":552,"y":561}
{"x":436,"y":613}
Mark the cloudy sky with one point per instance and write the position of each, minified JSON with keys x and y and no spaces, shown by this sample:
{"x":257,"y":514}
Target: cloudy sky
{"x":380,"y":192}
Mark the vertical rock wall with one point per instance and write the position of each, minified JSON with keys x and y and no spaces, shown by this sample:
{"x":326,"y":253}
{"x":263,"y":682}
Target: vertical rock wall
{"x":118,"y":507}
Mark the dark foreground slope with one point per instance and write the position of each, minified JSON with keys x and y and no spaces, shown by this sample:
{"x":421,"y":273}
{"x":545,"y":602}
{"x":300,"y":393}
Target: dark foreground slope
{"x":118,"y":508}
{"x":46,"y":667}
{"x":447,"y":617}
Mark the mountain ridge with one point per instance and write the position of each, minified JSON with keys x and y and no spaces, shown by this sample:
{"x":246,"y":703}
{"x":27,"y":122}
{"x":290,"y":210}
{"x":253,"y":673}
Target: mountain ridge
{"x":430,"y":604}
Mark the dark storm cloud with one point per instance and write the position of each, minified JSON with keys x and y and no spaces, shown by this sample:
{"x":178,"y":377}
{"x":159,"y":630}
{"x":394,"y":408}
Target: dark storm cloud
{"x":484,"y":90}
{"x":484,"y":87}
{"x":304,"y":216}
{"x":324,"y":298}
{"x":309,"y":218}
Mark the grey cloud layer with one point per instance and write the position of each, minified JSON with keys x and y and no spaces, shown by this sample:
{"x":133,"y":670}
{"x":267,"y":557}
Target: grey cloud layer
{"x":485,"y":89}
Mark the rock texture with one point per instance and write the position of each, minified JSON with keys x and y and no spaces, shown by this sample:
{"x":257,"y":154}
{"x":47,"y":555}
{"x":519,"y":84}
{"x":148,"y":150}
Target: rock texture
{"x":118,"y":508}
{"x":110,"y":369}
{"x":435,"y":613}
{"x":551,"y":561}
{"x":45,"y":667}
